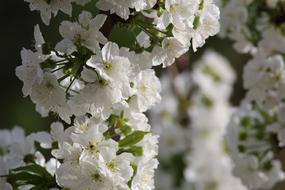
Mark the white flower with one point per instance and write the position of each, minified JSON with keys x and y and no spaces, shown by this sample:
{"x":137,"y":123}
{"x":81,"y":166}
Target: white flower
{"x":69,"y":176}
{"x":30,"y":71}
{"x":113,"y":67}
{"x":107,"y":76}
{"x":4,"y":185}
{"x":214,"y":76}
{"x":93,"y":140}
{"x":272,"y":41}
{"x":206,"y":24}
{"x":91,"y":175}
{"x":39,"y":40}
{"x":181,"y":13}
{"x":264,"y":78}
{"x":43,"y":138}
{"x":96,"y":161}
{"x":143,"y":39}
{"x":234,"y":19}
{"x":94,"y":175}
{"x":98,"y":97}
{"x":19,"y":146}
{"x":147,"y":88}
{"x":57,"y":132}
{"x":118,"y":167}
{"x":150,"y":146}
{"x":5,"y":141}
{"x":139,"y":62}
{"x":122,"y":7}
{"x":255,"y":170}
{"x":247,"y":169}
{"x":107,"y":170}
{"x":51,"y":96}
{"x":254,"y":71}
{"x":171,"y":49}
{"x":233,"y":16}
{"x":136,"y":120}
{"x":144,"y":179}
{"x":47,"y":8}
{"x":85,"y":32}
{"x":71,"y":154}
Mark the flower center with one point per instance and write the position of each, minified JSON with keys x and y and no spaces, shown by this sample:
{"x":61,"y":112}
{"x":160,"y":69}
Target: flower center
{"x":108,"y":66}
{"x":92,"y":147}
{"x":112,"y":166}
{"x":97,"y":177}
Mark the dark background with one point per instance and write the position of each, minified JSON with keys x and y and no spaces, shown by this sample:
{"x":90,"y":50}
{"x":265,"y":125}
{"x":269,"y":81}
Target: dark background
{"x":16,"y":31}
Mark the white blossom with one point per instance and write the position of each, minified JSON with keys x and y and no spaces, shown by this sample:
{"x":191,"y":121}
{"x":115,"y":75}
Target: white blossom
{"x":49,"y":8}
{"x":146,"y":90}
{"x":85,"y":32}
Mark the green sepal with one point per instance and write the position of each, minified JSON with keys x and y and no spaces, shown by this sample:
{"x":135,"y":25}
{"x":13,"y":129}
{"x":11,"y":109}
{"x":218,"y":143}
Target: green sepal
{"x":31,"y":175}
{"x":126,"y":130}
{"x":196,"y":22}
{"x":132,"y":139}
{"x":135,"y":150}
{"x":135,"y":168}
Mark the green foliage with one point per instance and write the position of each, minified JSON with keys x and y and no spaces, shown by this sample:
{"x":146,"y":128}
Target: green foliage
{"x":135,"y":150}
{"x":132,"y":139}
{"x":31,"y":174}
{"x":135,"y":168}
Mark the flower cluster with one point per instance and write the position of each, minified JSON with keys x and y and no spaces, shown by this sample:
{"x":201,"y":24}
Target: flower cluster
{"x":79,"y":77}
{"x":255,"y":133}
{"x":253,"y":147}
{"x":166,"y":29}
{"x":249,"y":22}
{"x":117,"y":154}
{"x":112,"y":148}
{"x":100,"y":89}
{"x":22,"y":164}
{"x":193,"y":115}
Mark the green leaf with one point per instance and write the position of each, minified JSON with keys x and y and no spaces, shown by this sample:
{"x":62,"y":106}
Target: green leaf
{"x":201,"y":5}
{"x":31,"y":175}
{"x":132,"y":139}
{"x":135,"y":168}
{"x":126,"y":129}
{"x":24,"y":177}
{"x":34,"y":169}
{"x":135,"y":150}
{"x":196,"y":22}
{"x":112,"y":120}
